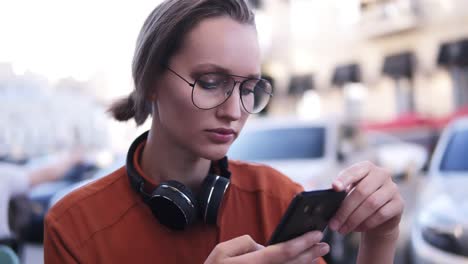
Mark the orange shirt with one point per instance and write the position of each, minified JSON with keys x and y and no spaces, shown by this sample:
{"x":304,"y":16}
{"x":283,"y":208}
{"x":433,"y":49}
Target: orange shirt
{"x":107,"y":222}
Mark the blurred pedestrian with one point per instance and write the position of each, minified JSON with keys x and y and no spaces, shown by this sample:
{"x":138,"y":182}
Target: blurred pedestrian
{"x":18,"y":179}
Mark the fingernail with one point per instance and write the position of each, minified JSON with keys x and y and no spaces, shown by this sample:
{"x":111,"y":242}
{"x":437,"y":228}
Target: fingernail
{"x":334,"y":225}
{"x":324,"y":249}
{"x":343,"y":230}
{"x":317,"y":235}
{"x":338,"y":184}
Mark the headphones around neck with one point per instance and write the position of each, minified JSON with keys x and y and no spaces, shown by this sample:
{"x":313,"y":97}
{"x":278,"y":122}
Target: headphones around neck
{"x":172,"y":203}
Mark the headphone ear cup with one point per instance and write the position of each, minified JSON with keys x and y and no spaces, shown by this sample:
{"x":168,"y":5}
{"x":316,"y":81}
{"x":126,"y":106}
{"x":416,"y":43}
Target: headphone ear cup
{"x":173,"y":205}
{"x":211,"y":196}
{"x":182,"y":188}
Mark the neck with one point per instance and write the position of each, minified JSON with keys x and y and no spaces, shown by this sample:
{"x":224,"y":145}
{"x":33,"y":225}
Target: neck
{"x":161,"y":161}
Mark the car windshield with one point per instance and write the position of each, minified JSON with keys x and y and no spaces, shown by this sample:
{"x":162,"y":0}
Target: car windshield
{"x":280,"y":144}
{"x":454,"y":158}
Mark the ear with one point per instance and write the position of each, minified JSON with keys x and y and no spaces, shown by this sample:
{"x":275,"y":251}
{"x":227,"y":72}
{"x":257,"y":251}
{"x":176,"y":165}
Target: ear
{"x":153,"y":94}
{"x":152,"y":98}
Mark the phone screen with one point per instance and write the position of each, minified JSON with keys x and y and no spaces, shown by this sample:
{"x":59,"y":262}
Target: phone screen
{"x":307,"y":211}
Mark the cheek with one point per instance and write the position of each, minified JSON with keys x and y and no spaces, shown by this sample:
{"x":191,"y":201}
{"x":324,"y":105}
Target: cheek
{"x":243,"y":120}
{"x":176,"y":96}
{"x":175,"y":105}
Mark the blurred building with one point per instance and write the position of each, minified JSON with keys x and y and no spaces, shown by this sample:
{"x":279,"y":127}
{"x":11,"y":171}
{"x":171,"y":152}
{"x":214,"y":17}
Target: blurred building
{"x":411,"y":53}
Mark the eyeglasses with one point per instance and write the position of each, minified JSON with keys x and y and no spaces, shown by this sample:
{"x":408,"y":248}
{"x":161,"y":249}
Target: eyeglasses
{"x":211,"y":90}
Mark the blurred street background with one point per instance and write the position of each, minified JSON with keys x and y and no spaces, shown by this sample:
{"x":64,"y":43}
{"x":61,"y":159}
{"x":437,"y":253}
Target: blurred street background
{"x":354,"y":80}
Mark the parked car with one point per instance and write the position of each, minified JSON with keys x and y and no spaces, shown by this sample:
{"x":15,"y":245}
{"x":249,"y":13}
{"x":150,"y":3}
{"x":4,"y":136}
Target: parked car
{"x":305,"y":151}
{"x":404,"y":159}
{"x":312,"y":152}
{"x":440,"y":230}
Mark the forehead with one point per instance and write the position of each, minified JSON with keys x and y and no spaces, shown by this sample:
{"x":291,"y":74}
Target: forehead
{"x":222,"y":41}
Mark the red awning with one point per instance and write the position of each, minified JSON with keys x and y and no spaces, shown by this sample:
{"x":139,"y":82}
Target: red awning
{"x":411,"y":121}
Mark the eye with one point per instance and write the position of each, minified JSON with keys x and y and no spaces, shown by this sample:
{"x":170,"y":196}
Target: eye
{"x":253,"y":86}
{"x":212,"y":81}
{"x":246,"y":91}
{"x":207,"y":85}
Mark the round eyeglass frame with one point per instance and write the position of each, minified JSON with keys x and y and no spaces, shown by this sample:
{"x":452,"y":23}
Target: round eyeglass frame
{"x":230,"y":91}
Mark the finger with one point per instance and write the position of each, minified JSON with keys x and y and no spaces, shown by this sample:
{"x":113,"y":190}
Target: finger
{"x":387,"y":212}
{"x":361,"y":192}
{"x":369,"y":206}
{"x":238,"y":246}
{"x":282,"y":252}
{"x":352,"y":175}
{"x":311,"y":255}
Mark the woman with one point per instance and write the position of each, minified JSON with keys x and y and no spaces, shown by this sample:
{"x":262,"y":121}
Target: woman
{"x":196,"y":71}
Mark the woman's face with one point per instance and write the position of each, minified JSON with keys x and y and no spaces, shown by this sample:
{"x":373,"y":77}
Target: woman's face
{"x":214,"y":45}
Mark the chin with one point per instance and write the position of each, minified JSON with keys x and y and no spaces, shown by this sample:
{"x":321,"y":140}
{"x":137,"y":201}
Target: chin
{"x":214,"y":153}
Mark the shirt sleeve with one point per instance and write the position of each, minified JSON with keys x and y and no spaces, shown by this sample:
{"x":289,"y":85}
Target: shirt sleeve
{"x":15,"y":178}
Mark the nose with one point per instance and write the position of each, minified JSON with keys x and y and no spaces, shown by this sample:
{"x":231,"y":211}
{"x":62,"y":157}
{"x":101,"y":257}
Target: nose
{"x":232,"y":108}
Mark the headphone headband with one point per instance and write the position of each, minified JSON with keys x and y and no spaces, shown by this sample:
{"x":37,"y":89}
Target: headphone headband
{"x":172,"y":203}
{"x":137,"y":181}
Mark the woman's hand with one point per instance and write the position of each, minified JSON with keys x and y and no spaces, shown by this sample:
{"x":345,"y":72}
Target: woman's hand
{"x":304,"y":249}
{"x":373,"y":206}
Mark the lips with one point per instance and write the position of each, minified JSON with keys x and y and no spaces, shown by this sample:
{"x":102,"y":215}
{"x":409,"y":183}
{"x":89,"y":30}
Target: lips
{"x":221,"y":135}
{"x":223,"y":131}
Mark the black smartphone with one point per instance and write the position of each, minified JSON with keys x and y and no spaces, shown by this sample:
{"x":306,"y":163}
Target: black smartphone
{"x":307,"y":211}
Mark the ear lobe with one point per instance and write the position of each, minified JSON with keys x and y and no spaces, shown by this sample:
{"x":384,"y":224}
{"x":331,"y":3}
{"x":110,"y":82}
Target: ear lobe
{"x":153,"y":95}
{"x":153,"y":101}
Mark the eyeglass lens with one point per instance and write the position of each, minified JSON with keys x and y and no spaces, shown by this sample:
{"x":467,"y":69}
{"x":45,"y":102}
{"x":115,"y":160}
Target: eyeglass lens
{"x":213,"y":89}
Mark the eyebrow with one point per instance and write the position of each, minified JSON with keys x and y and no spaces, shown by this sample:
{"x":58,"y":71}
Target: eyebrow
{"x":217,"y":68}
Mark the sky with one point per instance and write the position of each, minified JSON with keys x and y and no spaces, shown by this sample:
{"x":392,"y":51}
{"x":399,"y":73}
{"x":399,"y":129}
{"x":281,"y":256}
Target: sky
{"x":80,"y":39}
